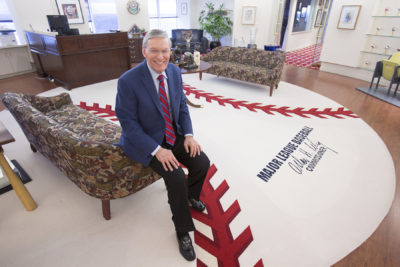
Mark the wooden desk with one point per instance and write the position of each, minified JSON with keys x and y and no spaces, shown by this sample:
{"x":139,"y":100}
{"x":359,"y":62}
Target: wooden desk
{"x":79,"y":60}
{"x":18,"y":186}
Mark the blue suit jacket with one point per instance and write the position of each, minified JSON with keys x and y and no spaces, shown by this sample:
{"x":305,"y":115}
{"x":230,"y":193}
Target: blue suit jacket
{"x":138,"y":109}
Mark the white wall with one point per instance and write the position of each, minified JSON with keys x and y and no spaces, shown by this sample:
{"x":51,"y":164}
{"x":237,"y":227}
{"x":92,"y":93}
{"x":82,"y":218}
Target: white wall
{"x":126,"y":20}
{"x":343,"y":46}
{"x":27,"y":12}
{"x":183,"y":19}
{"x":266,"y":12}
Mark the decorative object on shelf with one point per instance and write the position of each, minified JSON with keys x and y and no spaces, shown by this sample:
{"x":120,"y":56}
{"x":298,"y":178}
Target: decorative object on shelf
{"x":187,"y":35}
{"x":387,"y":47}
{"x":177,"y":54}
{"x":378,"y":29}
{"x":349,"y":17}
{"x":133,"y":7}
{"x":248,"y":15}
{"x":253,"y":33}
{"x":242,"y":42}
{"x":136,"y":32}
{"x":189,"y":61}
{"x":72,"y":9}
{"x":393,"y":30}
{"x":215,"y":22}
{"x":196,"y":55}
{"x":386,"y":11}
{"x":197,"y":47}
{"x":373,"y":47}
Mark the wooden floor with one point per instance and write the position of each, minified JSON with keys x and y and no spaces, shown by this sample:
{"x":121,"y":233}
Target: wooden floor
{"x":383,"y":247}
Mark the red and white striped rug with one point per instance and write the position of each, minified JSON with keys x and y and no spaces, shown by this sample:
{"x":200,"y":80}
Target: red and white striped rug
{"x":305,"y":57}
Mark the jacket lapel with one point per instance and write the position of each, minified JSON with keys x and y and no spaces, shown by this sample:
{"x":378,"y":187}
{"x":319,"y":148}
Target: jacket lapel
{"x":149,"y":85}
{"x":171,"y":90}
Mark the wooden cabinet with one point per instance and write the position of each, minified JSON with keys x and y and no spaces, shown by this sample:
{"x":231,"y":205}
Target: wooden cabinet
{"x":14,"y":60}
{"x":79,"y":60}
{"x":135,"y":50}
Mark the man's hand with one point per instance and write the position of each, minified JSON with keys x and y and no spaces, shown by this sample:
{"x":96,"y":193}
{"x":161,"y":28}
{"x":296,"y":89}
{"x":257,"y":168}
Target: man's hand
{"x":167,"y":159}
{"x":191,"y":146}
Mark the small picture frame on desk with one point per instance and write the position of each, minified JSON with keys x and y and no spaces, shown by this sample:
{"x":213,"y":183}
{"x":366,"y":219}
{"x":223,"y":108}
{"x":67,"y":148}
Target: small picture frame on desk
{"x":72,"y":9}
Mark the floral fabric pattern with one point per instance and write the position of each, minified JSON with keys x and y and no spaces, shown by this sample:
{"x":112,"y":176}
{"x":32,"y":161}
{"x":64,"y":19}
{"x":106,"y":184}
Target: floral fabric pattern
{"x":250,"y":65}
{"x":80,"y":144}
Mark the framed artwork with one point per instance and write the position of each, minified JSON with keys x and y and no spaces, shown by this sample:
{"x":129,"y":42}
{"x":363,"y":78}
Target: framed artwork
{"x":72,"y":9}
{"x":249,"y":15}
{"x":348,"y":17}
{"x":318,"y":18}
{"x":184,"y":9}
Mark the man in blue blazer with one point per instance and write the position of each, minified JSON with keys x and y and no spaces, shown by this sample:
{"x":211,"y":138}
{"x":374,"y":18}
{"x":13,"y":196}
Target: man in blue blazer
{"x":157,"y":132}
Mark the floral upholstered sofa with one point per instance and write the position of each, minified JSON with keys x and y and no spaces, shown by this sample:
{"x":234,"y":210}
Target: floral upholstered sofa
{"x":80,"y":144}
{"x":250,"y":65}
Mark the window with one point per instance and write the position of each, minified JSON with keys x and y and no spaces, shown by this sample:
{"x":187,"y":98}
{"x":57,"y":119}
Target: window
{"x":304,"y":15}
{"x":7,"y":28}
{"x":162,"y":15}
{"x":102,"y":15}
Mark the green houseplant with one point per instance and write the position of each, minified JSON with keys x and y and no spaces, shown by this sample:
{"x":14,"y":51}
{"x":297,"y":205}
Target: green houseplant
{"x":216,"y":23}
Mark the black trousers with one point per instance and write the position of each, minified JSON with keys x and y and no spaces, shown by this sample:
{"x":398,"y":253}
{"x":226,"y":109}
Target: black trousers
{"x":179,"y":188}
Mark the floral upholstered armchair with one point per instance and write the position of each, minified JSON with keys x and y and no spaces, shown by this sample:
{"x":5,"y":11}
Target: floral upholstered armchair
{"x":80,"y":144}
{"x":250,"y":65}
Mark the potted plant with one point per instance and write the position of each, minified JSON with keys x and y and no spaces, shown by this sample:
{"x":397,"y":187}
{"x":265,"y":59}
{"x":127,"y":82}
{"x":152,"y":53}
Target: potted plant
{"x":216,"y":23}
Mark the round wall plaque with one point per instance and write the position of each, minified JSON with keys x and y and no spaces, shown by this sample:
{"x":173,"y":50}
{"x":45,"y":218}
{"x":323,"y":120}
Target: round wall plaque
{"x":133,"y":7}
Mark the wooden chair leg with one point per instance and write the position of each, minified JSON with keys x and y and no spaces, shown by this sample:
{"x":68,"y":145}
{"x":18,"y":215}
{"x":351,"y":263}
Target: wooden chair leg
{"x":271,"y":88}
{"x":105,"y":203}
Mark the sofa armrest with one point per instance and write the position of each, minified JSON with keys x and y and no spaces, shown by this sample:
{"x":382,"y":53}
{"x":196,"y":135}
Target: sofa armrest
{"x":46,"y":104}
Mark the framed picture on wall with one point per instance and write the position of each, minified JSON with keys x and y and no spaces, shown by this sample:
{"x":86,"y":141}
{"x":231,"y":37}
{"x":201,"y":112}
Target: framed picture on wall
{"x":348,"y":17}
{"x":184,"y":9}
{"x":249,"y":15}
{"x":318,"y":18}
{"x":72,"y":9}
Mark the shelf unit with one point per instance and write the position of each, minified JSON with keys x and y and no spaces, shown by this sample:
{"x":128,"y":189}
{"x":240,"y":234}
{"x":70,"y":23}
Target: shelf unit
{"x":385,"y":40}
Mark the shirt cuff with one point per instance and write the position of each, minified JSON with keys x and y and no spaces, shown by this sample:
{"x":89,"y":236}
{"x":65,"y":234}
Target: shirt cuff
{"x":155,"y":150}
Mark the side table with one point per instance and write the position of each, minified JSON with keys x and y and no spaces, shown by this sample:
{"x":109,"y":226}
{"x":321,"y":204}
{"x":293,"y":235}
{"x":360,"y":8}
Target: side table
{"x":18,"y":186}
{"x":203,"y":67}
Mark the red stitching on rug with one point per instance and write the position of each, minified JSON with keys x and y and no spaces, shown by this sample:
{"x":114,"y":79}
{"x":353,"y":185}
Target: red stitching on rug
{"x":97,"y":110}
{"x":226,"y":249}
{"x":270,"y":109}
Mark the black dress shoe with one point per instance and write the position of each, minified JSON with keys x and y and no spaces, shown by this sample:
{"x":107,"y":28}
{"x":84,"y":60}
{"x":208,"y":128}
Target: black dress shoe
{"x":197,"y":204}
{"x":186,"y":247}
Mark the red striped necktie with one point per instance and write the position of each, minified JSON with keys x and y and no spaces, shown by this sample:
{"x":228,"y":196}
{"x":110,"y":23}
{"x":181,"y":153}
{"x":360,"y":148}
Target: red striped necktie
{"x":169,"y":129}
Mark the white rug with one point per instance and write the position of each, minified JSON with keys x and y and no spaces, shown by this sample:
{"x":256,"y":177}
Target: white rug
{"x":301,"y":181}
